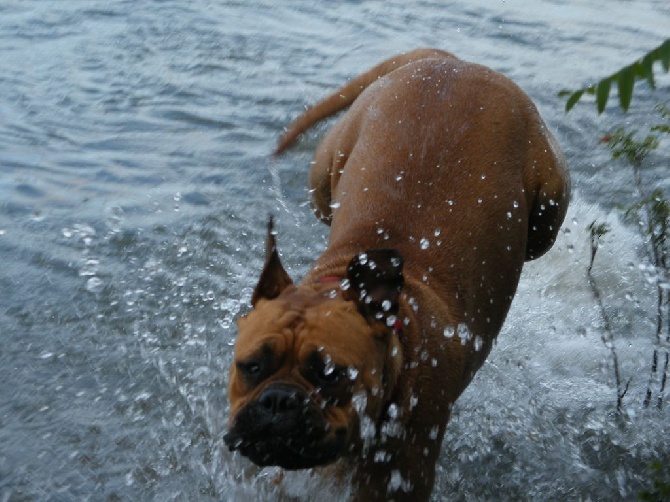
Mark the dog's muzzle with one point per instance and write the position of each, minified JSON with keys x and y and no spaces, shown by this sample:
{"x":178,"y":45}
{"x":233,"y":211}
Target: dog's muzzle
{"x":284,"y":427}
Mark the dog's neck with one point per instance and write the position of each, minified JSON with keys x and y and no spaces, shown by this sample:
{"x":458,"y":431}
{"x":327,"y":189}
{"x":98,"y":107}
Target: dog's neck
{"x":336,"y":280}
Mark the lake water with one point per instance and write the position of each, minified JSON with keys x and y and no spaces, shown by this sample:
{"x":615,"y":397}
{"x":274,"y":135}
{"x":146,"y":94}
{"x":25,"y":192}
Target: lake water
{"x":135,"y":181}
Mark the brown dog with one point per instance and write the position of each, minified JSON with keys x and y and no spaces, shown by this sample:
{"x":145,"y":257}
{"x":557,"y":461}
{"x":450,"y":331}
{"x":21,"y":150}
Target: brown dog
{"x":438,"y":183}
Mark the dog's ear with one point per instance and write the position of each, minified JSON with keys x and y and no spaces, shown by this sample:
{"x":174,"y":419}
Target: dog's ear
{"x":274,"y":279}
{"x":375,"y":280}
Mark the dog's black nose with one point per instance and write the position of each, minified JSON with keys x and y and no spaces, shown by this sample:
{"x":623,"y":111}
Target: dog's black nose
{"x":280,"y":400}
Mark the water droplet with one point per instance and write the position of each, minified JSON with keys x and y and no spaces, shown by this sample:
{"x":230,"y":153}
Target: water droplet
{"x":393,"y":411}
{"x":90,"y":268}
{"x":329,"y":367}
{"x":335,"y":205}
{"x":463,"y":333}
{"x":425,"y":243}
{"x":352,"y":373}
{"x":479,"y":343}
{"x":359,"y":402}
{"x":515,"y":203}
{"x":449,"y":332}
{"x":94,"y":285}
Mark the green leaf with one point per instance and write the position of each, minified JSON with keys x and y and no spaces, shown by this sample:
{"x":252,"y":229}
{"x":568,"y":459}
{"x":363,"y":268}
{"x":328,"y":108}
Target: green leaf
{"x":573,"y":99}
{"x":625,"y":77}
{"x":603,"y":93}
{"x":626,"y":81}
{"x":664,"y":54}
{"x":647,"y":69}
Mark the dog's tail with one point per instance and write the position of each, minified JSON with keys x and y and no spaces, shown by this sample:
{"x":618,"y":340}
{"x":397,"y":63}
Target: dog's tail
{"x":346,"y":94}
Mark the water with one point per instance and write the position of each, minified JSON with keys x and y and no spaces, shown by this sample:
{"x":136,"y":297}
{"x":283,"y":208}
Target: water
{"x":135,"y":182}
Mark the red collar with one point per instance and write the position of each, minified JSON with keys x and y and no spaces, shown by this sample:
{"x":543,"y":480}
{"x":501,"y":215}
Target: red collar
{"x":331,"y":278}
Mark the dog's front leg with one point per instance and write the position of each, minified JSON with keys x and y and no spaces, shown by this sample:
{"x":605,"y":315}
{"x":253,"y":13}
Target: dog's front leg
{"x":399,"y":473}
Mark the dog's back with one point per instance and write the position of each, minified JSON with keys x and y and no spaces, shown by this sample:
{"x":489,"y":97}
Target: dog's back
{"x":450,"y":163}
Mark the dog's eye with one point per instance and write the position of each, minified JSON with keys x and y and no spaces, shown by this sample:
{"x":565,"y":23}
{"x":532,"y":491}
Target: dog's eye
{"x":330,"y":373}
{"x":251,"y":369}
{"x":323,"y":372}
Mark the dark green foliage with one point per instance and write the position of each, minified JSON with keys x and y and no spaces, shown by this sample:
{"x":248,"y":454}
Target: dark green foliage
{"x":657,"y":208}
{"x":660,"y":490}
{"x":623,"y":144}
{"x":664,"y":110}
{"x":652,"y":216}
{"x":625,"y":78}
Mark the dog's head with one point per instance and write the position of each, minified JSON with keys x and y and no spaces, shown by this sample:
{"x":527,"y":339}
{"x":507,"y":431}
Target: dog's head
{"x":314,"y":366}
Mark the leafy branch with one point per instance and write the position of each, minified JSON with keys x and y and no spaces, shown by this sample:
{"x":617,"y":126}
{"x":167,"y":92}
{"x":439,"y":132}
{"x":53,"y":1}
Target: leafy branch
{"x":625,"y":78}
{"x":652,"y":215}
{"x":598,"y":231}
{"x":661,"y":484}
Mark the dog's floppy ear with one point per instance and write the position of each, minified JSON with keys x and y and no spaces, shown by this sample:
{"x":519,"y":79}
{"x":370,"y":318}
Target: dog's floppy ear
{"x":274,"y":279}
{"x":375,"y":280}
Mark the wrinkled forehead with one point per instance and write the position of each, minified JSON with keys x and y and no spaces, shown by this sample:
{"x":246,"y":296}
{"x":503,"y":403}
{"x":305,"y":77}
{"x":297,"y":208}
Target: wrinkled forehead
{"x":304,"y":321}
{"x":336,"y":324}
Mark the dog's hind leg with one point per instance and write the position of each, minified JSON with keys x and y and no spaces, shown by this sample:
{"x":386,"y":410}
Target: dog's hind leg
{"x":325,"y":171}
{"x":548,"y":168}
{"x":320,"y":187}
